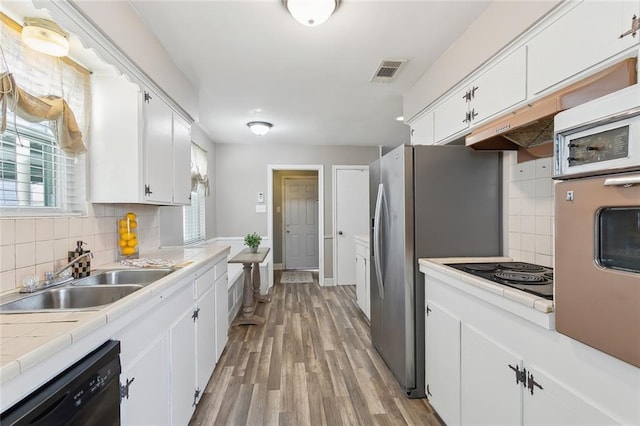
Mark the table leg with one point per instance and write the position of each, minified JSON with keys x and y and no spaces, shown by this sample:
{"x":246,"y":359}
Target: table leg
{"x":266,"y":298}
{"x":248,"y":304}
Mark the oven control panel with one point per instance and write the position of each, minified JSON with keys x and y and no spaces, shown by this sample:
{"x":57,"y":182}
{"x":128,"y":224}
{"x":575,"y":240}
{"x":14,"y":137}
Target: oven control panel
{"x":608,"y":145}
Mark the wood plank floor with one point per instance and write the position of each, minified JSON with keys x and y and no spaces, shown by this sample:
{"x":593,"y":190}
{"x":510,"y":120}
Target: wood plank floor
{"x":312,"y":363}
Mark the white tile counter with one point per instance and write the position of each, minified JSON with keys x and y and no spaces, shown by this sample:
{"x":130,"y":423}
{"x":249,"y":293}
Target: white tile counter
{"x":531,"y":307}
{"x":28,"y":339}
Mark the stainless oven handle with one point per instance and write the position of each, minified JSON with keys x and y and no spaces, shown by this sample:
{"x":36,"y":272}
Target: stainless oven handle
{"x":626,"y":181}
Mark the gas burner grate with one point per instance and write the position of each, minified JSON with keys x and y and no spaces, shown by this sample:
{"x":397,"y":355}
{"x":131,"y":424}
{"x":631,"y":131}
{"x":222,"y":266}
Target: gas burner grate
{"x":521,"y":267}
{"x":524,"y":278}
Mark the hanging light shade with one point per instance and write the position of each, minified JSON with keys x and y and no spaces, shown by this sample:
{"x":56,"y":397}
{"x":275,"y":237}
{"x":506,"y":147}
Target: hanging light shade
{"x":45,"y":36}
{"x":311,"y":12}
{"x":259,"y":128}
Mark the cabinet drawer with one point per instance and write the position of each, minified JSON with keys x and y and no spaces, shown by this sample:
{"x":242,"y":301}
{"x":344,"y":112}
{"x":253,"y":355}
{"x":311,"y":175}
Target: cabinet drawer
{"x":205,"y":281}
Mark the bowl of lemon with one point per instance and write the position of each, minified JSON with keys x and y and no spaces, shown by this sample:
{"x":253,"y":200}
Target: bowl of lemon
{"x":128,"y":245}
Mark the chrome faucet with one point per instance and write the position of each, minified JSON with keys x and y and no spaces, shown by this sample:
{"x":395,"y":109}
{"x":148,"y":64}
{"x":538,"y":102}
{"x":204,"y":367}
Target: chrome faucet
{"x":54,"y":278}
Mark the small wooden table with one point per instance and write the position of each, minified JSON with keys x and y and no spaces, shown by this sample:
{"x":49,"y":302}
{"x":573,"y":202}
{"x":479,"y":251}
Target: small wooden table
{"x":251,"y":291}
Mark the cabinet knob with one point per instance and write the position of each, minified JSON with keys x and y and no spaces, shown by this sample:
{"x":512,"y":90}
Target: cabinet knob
{"x":339,"y":232}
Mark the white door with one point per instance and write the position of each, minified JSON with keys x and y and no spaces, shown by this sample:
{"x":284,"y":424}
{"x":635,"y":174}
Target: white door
{"x":183,"y":371}
{"x":352,"y":218}
{"x":158,"y":151}
{"x":301,"y":223}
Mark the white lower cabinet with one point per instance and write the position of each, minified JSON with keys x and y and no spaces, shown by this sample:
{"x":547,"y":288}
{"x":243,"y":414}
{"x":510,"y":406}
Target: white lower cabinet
{"x":442,"y":358}
{"x":183,"y":371}
{"x":163,"y":378}
{"x":490,"y":394}
{"x":221,"y":314}
{"x":486,"y":366}
{"x":146,"y":383}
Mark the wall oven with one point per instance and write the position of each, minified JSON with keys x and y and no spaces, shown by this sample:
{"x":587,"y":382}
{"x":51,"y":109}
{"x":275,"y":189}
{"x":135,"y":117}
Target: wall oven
{"x":597,"y":224}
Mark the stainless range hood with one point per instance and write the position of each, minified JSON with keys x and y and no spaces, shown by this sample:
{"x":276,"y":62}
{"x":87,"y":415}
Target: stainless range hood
{"x":529,"y":130}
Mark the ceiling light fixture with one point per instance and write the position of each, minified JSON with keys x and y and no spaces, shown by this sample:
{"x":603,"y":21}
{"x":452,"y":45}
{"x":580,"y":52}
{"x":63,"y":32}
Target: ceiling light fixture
{"x":311,"y":12}
{"x":259,"y":128}
{"x":45,"y":36}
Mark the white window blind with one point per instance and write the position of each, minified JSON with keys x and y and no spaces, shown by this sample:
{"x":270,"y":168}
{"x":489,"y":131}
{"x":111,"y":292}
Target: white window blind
{"x":36,"y":176}
{"x":194,"y":214}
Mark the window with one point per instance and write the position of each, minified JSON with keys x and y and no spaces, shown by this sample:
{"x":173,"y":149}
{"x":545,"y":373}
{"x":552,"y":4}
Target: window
{"x":194,"y":215}
{"x":36,"y":176}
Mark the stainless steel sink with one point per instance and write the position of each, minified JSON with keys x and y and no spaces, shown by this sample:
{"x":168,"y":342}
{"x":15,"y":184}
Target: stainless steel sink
{"x":70,"y":297}
{"x":123,"y":277}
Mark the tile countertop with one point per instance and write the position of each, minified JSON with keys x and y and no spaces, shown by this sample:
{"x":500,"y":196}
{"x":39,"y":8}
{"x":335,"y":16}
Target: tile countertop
{"x":27,"y":339}
{"x":537,"y":309}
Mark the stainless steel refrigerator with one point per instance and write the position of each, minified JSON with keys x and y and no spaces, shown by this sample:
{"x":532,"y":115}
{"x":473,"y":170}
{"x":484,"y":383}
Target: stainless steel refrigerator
{"x":425,"y":201}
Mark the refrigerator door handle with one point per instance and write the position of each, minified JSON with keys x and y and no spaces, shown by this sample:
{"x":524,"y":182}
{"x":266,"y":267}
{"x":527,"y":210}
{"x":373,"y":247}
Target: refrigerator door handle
{"x":376,"y":239}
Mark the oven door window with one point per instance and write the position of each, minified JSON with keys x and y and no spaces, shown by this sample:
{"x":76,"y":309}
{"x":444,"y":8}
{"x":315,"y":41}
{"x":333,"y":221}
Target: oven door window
{"x":619,"y":238}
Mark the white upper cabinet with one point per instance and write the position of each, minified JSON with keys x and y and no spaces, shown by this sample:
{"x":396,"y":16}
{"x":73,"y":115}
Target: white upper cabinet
{"x":422,"y":130}
{"x":581,"y":38}
{"x":181,"y":162}
{"x":498,"y":88}
{"x":158,"y":184}
{"x":139,"y":149}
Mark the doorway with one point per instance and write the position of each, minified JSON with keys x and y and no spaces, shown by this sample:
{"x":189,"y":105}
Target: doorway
{"x":276,"y":211}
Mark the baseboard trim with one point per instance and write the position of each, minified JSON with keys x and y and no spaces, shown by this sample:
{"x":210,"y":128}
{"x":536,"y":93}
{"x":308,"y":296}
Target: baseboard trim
{"x":328,"y":282}
{"x":278,"y":267}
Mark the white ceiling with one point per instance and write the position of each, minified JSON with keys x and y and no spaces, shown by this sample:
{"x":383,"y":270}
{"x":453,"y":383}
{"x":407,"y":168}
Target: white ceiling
{"x":250,"y":60}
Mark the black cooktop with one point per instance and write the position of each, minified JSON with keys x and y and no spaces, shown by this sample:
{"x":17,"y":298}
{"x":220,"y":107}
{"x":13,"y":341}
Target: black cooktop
{"x":534,"y":279}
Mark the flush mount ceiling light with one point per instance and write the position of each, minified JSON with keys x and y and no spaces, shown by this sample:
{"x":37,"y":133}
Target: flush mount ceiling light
{"x":311,"y":12}
{"x":259,"y":128}
{"x":45,"y":36}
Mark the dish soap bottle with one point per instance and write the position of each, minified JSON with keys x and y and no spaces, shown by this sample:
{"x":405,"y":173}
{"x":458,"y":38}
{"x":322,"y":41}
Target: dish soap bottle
{"x":81,"y":268}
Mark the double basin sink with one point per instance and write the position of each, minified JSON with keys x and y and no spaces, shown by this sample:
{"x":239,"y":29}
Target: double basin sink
{"x":100,"y":289}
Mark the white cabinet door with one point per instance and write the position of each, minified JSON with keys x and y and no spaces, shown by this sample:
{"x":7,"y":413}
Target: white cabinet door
{"x":442,"y":357}
{"x":501,"y":87}
{"x":206,"y":338}
{"x":490,"y":395}
{"x":450,"y":116}
{"x":148,"y":402}
{"x":552,"y":403}
{"x":183,"y":370}
{"x":158,"y":150}
{"x":222,"y":314}
{"x":422,"y":130}
{"x":583,"y":37}
{"x":181,"y":162}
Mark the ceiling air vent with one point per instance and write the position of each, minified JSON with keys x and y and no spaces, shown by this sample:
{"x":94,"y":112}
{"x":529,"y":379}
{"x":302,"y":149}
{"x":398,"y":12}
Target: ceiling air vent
{"x":387,"y":70}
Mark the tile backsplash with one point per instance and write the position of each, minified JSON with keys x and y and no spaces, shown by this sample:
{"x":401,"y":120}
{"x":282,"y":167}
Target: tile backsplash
{"x":530,"y":210}
{"x":33,"y":246}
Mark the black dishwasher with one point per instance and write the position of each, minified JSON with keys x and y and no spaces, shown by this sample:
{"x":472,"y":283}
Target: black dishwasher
{"x":87,"y":393}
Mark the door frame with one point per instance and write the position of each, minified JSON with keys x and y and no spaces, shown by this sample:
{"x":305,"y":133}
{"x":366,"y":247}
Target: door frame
{"x":334,"y":213}
{"x":271,"y":168}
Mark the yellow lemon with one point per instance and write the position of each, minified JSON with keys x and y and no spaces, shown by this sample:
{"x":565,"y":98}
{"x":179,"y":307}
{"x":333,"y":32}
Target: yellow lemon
{"x":132,"y":242}
{"x":122,"y":243}
{"x":128,"y":250}
{"x":127,"y":236}
{"x":131,"y":216}
{"x":133,"y":224}
{"x":122,"y":223}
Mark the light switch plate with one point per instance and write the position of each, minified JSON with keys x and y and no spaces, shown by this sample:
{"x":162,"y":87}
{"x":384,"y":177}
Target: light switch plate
{"x":261,"y":208}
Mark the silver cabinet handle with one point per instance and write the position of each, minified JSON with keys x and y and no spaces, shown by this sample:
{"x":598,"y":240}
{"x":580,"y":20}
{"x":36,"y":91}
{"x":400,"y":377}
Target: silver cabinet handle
{"x":625,"y":181}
